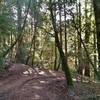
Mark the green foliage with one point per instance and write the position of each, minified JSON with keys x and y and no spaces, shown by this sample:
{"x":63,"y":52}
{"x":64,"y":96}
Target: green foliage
{"x":92,"y":98}
{"x":39,"y":18}
{"x":5,"y":26}
{"x":1,"y":64}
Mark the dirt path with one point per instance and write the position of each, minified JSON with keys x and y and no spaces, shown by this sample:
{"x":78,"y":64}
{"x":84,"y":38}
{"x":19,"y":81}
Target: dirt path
{"x":42,"y":86}
{"x":45,"y":85}
{"x":48,"y":86}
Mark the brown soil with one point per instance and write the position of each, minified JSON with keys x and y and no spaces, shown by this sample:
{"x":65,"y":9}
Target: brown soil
{"x":41,"y":85}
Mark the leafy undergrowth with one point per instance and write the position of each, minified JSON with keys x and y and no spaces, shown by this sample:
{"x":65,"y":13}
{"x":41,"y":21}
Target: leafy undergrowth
{"x":88,"y":90}
{"x":46,"y":85}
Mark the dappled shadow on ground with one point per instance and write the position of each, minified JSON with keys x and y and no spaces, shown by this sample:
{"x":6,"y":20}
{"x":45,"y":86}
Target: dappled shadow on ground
{"x":41,"y":84}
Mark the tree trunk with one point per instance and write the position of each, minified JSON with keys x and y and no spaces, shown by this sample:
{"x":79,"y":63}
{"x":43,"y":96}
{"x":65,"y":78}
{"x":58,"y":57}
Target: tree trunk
{"x":55,"y":62}
{"x":80,"y":62}
{"x":62,"y":55}
{"x":96,"y":4}
{"x":19,"y":58}
{"x":34,"y":45}
{"x":87,"y":35}
{"x":65,"y":31}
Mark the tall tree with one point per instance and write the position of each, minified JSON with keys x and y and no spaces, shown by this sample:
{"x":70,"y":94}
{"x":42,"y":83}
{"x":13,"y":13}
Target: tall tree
{"x":80,"y":62}
{"x":20,"y":57}
{"x":87,"y":35}
{"x":62,"y":55}
{"x":96,"y":4}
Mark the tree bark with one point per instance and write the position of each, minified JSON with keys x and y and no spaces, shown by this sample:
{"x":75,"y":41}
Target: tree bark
{"x":80,"y":62}
{"x":62,"y":55}
{"x":87,"y":35}
{"x":96,"y":4}
{"x":20,"y":56}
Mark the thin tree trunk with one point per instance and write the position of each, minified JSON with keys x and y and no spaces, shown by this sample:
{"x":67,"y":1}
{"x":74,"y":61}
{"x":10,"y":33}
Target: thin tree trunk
{"x":55,"y":62}
{"x":29,"y":53}
{"x":87,"y":34}
{"x":19,"y":22}
{"x":95,"y":56}
{"x":62,"y":55}
{"x":34,"y":46}
{"x":35,"y":31}
{"x":76,"y":52}
{"x":65,"y":31}
{"x":80,"y":63}
{"x":60,"y":31}
{"x":56,"y":54}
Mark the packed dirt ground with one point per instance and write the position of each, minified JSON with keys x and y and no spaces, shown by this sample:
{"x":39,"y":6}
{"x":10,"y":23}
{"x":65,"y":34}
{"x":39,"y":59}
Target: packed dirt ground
{"x":44,"y":84}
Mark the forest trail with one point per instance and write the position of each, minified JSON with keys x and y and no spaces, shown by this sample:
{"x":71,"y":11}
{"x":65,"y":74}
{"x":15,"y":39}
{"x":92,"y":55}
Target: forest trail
{"x":41,"y":85}
{"x":37,"y":86}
